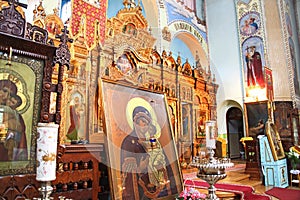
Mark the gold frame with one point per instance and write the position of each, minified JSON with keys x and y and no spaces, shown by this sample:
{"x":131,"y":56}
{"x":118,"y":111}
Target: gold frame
{"x":274,"y":141}
{"x":119,"y":102}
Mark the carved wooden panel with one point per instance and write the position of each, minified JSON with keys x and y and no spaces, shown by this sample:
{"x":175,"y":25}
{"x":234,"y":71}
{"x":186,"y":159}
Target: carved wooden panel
{"x":19,"y":187}
{"x":11,"y":19}
{"x":79,"y":176}
{"x":252,"y":159}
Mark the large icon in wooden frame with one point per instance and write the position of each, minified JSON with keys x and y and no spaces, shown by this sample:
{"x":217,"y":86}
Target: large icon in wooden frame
{"x":25,"y":90}
{"x":140,"y":144}
{"x":19,"y":108}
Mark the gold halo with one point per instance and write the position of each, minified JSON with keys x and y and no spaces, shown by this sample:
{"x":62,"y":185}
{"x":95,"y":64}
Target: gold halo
{"x":21,"y":88}
{"x":135,"y":102}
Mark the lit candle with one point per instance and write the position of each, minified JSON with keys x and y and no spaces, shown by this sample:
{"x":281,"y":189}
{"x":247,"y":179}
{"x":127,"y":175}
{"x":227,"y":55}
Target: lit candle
{"x":46,"y":151}
{"x":210,"y":130}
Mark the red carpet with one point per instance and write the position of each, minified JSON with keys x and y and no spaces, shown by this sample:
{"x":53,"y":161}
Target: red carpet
{"x":284,"y":193}
{"x":245,"y":191}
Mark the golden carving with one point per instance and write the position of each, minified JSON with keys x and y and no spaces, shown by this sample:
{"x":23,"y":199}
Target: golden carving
{"x":129,"y":28}
{"x":54,"y":25}
{"x":128,"y":56}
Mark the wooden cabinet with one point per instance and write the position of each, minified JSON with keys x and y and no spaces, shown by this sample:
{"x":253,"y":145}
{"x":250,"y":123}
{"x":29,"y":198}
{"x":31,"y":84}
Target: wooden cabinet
{"x":78,"y":174}
{"x":19,"y":186}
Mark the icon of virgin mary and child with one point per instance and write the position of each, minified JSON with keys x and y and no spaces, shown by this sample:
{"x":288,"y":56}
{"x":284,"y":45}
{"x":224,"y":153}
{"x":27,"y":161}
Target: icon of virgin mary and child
{"x":13,"y":143}
{"x":145,"y":170}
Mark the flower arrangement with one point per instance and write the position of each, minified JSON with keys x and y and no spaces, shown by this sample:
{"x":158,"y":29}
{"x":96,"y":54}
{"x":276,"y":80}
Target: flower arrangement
{"x":190,"y":193}
{"x":293,"y":156}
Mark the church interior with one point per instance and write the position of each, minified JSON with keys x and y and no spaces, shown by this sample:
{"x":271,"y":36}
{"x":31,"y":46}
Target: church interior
{"x":207,"y":99}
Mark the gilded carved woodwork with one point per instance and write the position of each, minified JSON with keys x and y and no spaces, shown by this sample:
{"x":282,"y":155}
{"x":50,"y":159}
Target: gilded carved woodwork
{"x":128,"y":38}
{"x":128,"y":41}
{"x":129,"y":27}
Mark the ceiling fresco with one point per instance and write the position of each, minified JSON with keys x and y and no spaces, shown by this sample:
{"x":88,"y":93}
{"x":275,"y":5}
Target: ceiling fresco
{"x":177,"y":13}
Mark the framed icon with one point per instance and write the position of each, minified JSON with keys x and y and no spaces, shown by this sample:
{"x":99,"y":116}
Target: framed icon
{"x":142,"y":156}
{"x":274,"y":140}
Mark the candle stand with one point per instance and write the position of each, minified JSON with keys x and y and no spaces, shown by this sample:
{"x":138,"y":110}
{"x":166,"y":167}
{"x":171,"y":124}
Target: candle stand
{"x":211,"y":170}
{"x":46,"y":190}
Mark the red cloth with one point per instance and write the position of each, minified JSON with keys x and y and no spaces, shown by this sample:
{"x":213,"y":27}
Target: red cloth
{"x":245,"y":191}
{"x":256,"y":197}
{"x":93,"y":16}
{"x":284,"y":193}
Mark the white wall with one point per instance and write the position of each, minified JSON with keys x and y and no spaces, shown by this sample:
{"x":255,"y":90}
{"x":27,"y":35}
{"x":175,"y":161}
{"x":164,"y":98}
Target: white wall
{"x":224,"y":53}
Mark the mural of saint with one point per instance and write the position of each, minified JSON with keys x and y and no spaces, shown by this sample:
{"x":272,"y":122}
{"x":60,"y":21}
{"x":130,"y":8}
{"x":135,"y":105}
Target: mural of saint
{"x":249,"y":24}
{"x":76,"y":111}
{"x":254,"y":68}
{"x":254,"y":62}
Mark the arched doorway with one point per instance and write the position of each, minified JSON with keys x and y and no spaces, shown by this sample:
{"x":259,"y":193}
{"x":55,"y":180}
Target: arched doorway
{"x":235,"y":131}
